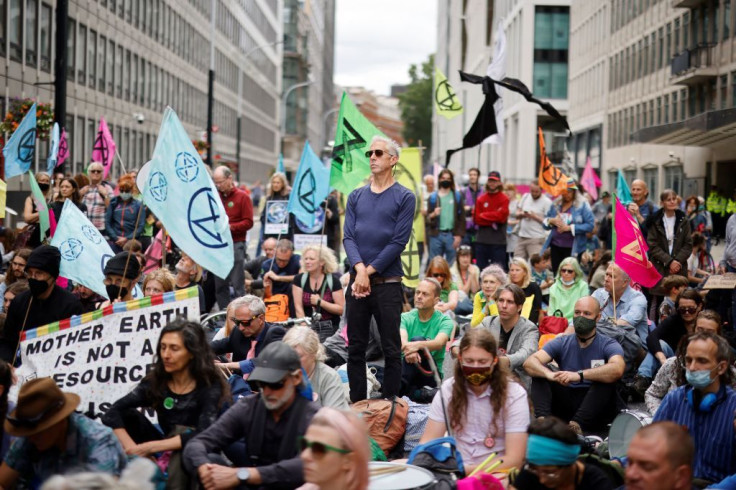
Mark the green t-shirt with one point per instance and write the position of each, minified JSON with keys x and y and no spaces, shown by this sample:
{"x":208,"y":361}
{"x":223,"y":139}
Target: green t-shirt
{"x":447,"y":211}
{"x":439,"y":323}
{"x":445,"y":293}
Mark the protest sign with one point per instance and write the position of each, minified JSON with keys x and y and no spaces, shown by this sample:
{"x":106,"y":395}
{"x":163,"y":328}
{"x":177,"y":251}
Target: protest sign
{"x":721,"y":281}
{"x":102,"y":355}
{"x":301,"y":241}
{"x":277,"y":218}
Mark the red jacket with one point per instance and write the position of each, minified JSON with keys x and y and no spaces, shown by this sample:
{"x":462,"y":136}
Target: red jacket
{"x":491,"y":208}
{"x":239,"y":211}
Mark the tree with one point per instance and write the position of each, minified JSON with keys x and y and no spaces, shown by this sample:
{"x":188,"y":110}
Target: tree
{"x":416,"y":105}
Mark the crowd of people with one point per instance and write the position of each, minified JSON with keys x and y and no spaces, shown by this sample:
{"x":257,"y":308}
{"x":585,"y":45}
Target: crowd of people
{"x":522,"y":339}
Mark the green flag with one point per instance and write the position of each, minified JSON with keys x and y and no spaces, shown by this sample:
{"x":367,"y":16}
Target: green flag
{"x":41,"y":206}
{"x":350,"y":166}
{"x":445,"y":98}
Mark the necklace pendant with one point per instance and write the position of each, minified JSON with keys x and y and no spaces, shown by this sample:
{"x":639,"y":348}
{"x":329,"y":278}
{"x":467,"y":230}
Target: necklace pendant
{"x":489,"y":442}
{"x":169,"y":403}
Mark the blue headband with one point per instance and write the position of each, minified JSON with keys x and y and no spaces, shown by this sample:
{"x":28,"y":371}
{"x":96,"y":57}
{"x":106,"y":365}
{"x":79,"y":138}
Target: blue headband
{"x":544,"y":451}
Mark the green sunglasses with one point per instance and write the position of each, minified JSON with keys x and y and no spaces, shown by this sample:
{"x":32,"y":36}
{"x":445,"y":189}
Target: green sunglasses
{"x":319,"y":449}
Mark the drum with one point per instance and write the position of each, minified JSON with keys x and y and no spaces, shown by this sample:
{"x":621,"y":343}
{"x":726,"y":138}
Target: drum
{"x":397,"y":476}
{"x":623,"y":428}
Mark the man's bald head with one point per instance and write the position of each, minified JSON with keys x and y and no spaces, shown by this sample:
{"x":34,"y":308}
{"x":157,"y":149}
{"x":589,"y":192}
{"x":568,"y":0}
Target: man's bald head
{"x":639,"y":191}
{"x":588,"y":307}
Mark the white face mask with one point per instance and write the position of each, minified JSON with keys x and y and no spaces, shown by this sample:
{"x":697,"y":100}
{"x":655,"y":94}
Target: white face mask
{"x":568,"y":283}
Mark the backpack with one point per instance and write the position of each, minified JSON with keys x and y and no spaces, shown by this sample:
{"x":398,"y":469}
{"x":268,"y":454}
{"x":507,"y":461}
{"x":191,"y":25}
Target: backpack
{"x":386,"y":420}
{"x":328,"y":282}
{"x":277,"y":308}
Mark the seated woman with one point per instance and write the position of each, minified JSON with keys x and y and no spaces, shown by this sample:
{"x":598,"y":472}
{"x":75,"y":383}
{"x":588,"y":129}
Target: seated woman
{"x":318,"y":288}
{"x":467,"y":276}
{"x":569,"y":286}
{"x":521,"y":274}
{"x":158,"y":281}
{"x":439,"y":269}
{"x":488,"y":412}
{"x":491,"y":278}
{"x":335,"y":452}
{"x":552,"y":461}
{"x":327,"y":386}
{"x":184,"y":388}
{"x":189,"y":274}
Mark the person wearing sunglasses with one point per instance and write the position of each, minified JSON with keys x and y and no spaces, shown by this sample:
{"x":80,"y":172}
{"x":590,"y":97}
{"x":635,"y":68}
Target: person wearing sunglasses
{"x":124,"y":218}
{"x":270,"y":423}
{"x":378,"y":223}
{"x":439,"y":269}
{"x":51,"y":438}
{"x":662,"y":341}
{"x":335,"y":452}
{"x":569,"y":286}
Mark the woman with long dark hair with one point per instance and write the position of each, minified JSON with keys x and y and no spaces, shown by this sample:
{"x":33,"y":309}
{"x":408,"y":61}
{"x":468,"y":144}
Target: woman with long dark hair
{"x":479,"y":381}
{"x":184,"y":388}
{"x":68,"y":189}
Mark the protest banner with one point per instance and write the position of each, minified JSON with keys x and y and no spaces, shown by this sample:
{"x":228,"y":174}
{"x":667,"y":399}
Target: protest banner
{"x":277,"y":218}
{"x":102,"y":355}
{"x":721,"y":281}
{"x":301,"y":241}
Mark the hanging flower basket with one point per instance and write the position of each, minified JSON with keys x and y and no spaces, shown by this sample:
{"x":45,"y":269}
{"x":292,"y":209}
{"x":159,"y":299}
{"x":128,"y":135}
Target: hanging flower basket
{"x":17,"y":111}
{"x":201,"y":146}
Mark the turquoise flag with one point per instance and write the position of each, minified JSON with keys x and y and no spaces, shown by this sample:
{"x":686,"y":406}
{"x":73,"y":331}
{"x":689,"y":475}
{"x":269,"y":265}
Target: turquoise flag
{"x":53,"y":150}
{"x":84,"y":251}
{"x":181,"y":194}
{"x":19,"y":149}
{"x":41,"y":206}
{"x":622,"y":189}
{"x":280,"y":166}
{"x":311,"y":186}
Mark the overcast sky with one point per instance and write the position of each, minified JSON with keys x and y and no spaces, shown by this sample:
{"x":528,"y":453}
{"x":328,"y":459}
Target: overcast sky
{"x":377,"y":40}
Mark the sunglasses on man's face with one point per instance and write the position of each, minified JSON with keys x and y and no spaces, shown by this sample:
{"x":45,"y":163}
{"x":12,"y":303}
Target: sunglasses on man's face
{"x":687,"y":310}
{"x":260,"y":385}
{"x":319,"y":449}
{"x":242,"y":323}
{"x":95,"y":171}
{"x":379,"y":153}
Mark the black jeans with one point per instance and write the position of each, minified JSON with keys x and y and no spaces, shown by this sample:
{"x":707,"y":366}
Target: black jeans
{"x":412,"y":379}
{"x":593,"y":408}
{"x":384,"y":303}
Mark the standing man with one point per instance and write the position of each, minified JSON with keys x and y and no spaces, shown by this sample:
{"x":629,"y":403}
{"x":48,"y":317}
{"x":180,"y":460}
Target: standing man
{"x":96,"y":196}
{"x":471,"y":193}
{"x":239,"y":211}
{"x":728,"y":262}
{"x":641,"y":208}
{"x":378,"y":221}
{"x":491,"y":214}
{"x":531,"y":212}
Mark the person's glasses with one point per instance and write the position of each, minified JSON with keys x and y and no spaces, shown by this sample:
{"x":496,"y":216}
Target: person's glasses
{"x":379,"y":153}
{"x":259,"y":385}
{"x":31,"y":422}
{"x":95,"y":171}
{"x":567,"y":271}
{"x":547,"y":472}
{"x":464,"y":248}
{"x":319,"y":449}
{"x":242,"y":323}
{"x":438,"y":275}
{"x":687,"y":310}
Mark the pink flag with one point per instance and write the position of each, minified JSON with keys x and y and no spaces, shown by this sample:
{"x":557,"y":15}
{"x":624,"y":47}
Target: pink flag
{"x":590,"y":180}
{"x":630,"y":248}
{"x":104,"y":150}
{"x":63,"y":149}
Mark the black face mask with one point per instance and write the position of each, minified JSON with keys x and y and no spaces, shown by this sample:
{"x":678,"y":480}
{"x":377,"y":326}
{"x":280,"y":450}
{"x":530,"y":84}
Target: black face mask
{"x":43,"y":187}
{"x":445,"y":184}
{"x":114,"y":292}
{"x":37,"y":287}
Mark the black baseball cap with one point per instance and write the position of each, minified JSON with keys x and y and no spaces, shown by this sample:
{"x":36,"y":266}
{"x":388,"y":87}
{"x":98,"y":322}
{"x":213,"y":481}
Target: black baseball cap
{"x":275,"y":361}
{"x":494,"y":175}
{"x":605,"y":194}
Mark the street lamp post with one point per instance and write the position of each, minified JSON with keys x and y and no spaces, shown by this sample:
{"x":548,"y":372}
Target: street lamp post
{"x":324,"y":126}
{"x":211,"y":84}
{"x":283,"y":108}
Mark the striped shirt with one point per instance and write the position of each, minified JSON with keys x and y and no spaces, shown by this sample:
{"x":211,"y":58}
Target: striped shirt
{"x":712,"y":431}
{"x":96,"y":205}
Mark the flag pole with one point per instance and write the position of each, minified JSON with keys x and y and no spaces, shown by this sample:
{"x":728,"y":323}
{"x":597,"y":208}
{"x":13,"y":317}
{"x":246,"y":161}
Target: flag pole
{"x":121,"y":161}
{"x":613,"y":248}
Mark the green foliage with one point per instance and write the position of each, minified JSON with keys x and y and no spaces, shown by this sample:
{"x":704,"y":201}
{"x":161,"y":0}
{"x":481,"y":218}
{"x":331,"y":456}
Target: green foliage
{"x":416,"y":105}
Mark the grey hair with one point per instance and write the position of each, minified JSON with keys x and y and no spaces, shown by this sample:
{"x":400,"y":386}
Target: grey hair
{"x":308,"y":340}
{"x":620,"y":272}
{"x":138,"y":475}
{"x":392,"y":146}
{"x":255,"y":305}
{"x":225,"y":171}
{"x":437,"y":286}
{"x":285,"y":244}
{"x":95,"y":164}
{"x":496,"y":271}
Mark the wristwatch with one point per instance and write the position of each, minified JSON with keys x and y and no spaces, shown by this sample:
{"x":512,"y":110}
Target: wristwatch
{"x":243,"y":474}
{"x":580,"y":373}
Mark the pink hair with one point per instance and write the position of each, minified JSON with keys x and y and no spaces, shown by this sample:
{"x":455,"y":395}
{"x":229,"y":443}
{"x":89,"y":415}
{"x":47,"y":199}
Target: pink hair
{"x":354,"y":436}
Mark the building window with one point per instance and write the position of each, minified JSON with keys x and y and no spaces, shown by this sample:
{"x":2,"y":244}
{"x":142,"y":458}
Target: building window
{"x":79,"y":144}
{"x":612,"y":179}
{"x":119,"y":72}
{"x":666,"y":110}
{"x":551,"y":44}
{"x":683,"y":99}
{"x":126,"y":76}
{"x":90,"y":141}
{"x":660,"y":39}
{"x":726,"y":19}
{"x":70,"y":50}
{"x":630,"y":174}
{"x":673,"y":178}
{"x":723,"y":91}
{"x":109,"y":71}
{"x":102,"y":63}
{"x":134,"y":79}
{"x":31,"y":32}
{"x":650,"y":177}
{"x":82,"y":54}
{"x":15,"y":30}
{"x":674,"y":107}
{"x":46,"y":30}
{"x":3,"y":32}
{"x":92,"y":58}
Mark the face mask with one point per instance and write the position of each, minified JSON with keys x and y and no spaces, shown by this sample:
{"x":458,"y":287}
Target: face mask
{"x":568,"y":283}
{"x":698,"y":379}
{"x":583,"y":326}
{"x":445,"y":184}
{"x":113,"y":291}
{"x":37,"y":287}
{"x":43,"y":187}
{"x":477,"y":375}
{"x":125,"y":196}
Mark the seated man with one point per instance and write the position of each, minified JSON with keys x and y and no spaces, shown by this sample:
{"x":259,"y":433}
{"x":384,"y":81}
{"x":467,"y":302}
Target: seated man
{"x":52,"y":439}
{"x":250,"y":333}
{"x":271,"y":422}
{"x":660,"y":458}
{"x":583,"y":391}
{"x":518,"y":338}
{"x":706,"y":406}
{"x":279,"y":272}
{"x":631,"y":305}
{"x":253,"y":268}
{"x":423,"y":327}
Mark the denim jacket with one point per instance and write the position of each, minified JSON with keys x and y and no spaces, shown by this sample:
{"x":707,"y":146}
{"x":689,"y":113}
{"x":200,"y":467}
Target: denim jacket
{"x":582,"y":219}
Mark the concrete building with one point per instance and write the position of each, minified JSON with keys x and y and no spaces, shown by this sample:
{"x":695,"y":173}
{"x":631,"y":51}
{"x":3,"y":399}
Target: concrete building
{"x":129,"y":59}
{"x":537,"y":54}
{"x":652,"y":91}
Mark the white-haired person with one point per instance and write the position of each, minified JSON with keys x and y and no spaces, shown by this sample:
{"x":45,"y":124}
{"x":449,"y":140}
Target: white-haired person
{"x":335,"y":452}
{"x":327,"y":386}
{"x":484,"y":303}
{"x":318,"y":288}
{"x":569,"y":286}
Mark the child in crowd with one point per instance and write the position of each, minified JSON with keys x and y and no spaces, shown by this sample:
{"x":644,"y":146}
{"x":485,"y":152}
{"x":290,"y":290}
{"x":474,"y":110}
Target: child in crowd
{"x":672,"y":285}
{"x":542,"y":274}
{"x":700,"y":264}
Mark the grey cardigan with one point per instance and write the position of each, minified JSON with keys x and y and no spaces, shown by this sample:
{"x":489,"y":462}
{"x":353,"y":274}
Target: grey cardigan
{"x":523,"y":342}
